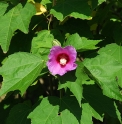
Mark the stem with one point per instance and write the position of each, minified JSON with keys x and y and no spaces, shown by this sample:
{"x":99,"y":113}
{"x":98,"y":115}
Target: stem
{"x":61,"y":93}
{"x":51,"y":86}
{"x":51,"y":16}
{"x":50,"y":19}
{"x":54,"y":2}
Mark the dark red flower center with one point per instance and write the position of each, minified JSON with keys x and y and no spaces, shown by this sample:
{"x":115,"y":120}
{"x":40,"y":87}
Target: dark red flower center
{"x":62,"y":59}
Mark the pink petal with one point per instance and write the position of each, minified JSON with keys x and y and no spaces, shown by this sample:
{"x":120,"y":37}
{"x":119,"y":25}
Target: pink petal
{"x":71,"y":52}
{"x":70,"y":66}
{"x":55,"y":67}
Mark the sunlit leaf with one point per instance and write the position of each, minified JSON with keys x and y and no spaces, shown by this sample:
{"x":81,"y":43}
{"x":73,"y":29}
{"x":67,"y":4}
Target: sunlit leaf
{"x":118,"y":113}
{"x":54,"y":110}
{"x":16,"y":18}
{"x":19,"y":71}
{"x":82,"y":77}
{"x":3,"y":7}
{"x":42,"y":43}
{"x":81,"y":44}
{"x":101,"y":1}
{"x":100,"y":67}
{"x":86,"y":117}
{"x":114,"y":51}
{"x":47,"y":3}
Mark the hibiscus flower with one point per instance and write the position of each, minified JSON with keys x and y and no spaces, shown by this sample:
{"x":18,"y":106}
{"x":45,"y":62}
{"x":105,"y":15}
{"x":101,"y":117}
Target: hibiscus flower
{"x":61,"y":60}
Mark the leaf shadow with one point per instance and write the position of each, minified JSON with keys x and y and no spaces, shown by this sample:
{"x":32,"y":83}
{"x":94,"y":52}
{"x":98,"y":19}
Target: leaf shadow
{"x":100,"y":103}
{"x":67,"y":103}
{"x":20,"y":42}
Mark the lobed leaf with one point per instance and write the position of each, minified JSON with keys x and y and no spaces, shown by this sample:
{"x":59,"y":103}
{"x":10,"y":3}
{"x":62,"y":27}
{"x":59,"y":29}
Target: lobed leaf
{"x":54,"y":110}
{"x":19,"y":71}
{"x":99,"y":104}
{"x":18,"y":114}
{"x":84,"y":79}
{"x":16,"y":18}
{"x":81,"y":44}
{"x":114,"y":51}
{"x":100,"y":67}
{"x":3,"y":8}
{"x":42,"y":43}
{"x":74,"y":8}
{"x":86,"y":117}
{"x":75,"y":88}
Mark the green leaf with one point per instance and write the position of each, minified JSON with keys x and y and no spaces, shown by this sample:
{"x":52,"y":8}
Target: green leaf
{"x":47,"y":3}
{"x":19,"y":71}
{"x":45,"y":112}
{"x":81,"y":44}
{"x":114,"y":51}
{"x":101,"y":1}
{"x":3,"y":7}
{"x":87,"y":113}
{"x":118,"y":113}
{"x":24,"y":17}
{"x":103,"y":68}
{"x":16,"y":18}
{"x":95,"y":114}
{"x":86,"y":117}
{"x":116,"y":35}
{"x":75,"y":88}
{"x":58,"y":36}
{"x":99,"y":104}
{"x":4,"y":110}
{"x":84,"y":79}
{"x":56,"y":111}
{"x":74,"y":8}
{"x":70,"y":104}
{"x":42,"y":43}
{"x":18,"y":114}
{"x":95,"y":3}
{"x":82,"y":27}
{"x":72,"y":84}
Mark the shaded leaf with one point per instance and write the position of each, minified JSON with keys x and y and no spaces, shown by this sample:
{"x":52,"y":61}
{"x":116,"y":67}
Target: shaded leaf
{"x":4,"y":112}
{"x":98,"y":102}
{"x":73,"y":8}
{"x":82,"y":27}
{"x":18,"y":114}
{"x":116,"y":35}
{"x":95,"y":3}
{"x":75,"y":88}
{"x":100,"y":67}
{"x":19,"y":71}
